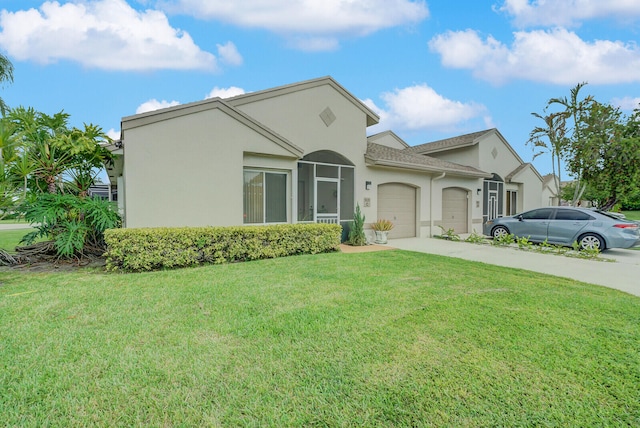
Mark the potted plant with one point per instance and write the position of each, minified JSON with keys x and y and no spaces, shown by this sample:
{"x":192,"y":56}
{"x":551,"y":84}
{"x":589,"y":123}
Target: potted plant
{"x":381,"y":229}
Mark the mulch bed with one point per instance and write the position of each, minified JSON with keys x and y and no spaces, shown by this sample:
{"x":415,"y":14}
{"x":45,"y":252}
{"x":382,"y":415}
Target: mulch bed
{"x":42,"y":257}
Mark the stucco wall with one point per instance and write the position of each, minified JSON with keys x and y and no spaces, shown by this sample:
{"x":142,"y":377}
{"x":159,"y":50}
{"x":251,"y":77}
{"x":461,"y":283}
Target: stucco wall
{"x":187,"y":171}
{"x":531,"y":190}
{"x":469,"y":156}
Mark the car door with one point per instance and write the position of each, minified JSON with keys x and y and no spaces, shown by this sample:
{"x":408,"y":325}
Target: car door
{"x":565,"y":227}
{"x":533,"y":224}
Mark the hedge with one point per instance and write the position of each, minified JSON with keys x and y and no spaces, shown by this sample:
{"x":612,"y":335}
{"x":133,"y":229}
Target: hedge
{"x":148,"y":249}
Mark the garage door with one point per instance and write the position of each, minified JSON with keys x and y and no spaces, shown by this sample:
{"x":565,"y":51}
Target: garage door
{"x":455,"y":210}
{"x":397,"y":202}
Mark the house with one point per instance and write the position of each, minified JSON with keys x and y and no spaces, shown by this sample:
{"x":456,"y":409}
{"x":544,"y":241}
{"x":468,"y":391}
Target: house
{"x":513,"y":186}
{"x":550,"y":186}
{"x":300,"y":153}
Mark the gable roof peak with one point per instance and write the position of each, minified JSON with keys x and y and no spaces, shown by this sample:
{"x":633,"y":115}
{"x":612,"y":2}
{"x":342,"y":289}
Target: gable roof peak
{"x":453,"y":142}
{"x":238,"y":100}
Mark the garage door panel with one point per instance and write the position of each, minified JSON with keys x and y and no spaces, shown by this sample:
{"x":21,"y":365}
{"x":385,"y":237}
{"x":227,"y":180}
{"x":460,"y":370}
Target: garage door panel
{"x":397,"y":202}
{"x":455,"y":213}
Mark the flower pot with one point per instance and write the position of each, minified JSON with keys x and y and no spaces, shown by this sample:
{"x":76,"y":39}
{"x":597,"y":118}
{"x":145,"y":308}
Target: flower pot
{"x":381,"y":236}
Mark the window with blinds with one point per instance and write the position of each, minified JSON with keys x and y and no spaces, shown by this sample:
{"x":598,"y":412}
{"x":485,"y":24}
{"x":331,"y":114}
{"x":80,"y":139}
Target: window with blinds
{"x":264,"y":197}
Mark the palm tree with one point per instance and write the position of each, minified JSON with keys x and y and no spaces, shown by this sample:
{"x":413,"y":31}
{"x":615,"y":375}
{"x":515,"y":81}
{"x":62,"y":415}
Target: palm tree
{"x":38,"y":133}
{"x":6,"y":75}
{"x":575,"y":110}
{"x":552,"y":138}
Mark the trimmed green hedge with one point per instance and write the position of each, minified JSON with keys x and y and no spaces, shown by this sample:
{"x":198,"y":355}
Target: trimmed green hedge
{"x":157,"y":248}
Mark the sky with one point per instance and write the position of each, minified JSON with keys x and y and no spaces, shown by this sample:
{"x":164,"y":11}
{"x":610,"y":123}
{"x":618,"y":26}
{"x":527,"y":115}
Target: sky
{"x":430,"y":69}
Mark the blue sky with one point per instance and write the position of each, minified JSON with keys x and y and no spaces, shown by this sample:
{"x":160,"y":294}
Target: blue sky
{"x":430,"y":69}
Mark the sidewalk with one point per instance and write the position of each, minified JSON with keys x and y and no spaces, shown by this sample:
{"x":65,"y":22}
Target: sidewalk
{"x":622,"y":273}
{"x":14,"y":226}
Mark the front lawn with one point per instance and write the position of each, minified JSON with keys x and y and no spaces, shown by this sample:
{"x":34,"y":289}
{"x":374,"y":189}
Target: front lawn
{"x":10,"y":239}
{"x":632,"y":215}
{"x":391,"y":338}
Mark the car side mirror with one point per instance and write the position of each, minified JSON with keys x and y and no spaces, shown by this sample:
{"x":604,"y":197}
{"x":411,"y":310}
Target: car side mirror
{"x":519,"y":217}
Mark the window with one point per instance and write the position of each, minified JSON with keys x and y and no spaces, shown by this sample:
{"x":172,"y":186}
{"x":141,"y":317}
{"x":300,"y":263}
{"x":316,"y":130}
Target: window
{"x":512,"y":202}
{"x":539,"y":214}
{"x":265,"y":197}
{"x":572,"y":215}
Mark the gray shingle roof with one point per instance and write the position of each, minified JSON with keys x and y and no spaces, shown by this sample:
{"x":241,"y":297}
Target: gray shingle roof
{"x":448,"y":143}
{"x":387,"y":156}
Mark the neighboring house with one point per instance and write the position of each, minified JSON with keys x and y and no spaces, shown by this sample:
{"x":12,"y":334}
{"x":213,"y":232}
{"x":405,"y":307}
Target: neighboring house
{"x":300,"y":153}
{"x":513,"y":186}
{"x":550,"y":186}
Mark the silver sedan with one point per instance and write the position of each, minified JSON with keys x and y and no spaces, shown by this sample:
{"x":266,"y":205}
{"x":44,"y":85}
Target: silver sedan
{"x":591,"y":229}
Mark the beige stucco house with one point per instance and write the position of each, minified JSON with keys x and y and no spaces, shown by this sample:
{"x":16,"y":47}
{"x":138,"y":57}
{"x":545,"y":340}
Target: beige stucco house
{"x":300,"y":153}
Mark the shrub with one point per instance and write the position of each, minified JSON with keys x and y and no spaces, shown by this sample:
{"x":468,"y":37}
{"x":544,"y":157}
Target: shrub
{"x":524,"y":243}
{"x":475,"y":238}
{"x":382,"y":225}
{"x":356,"y":229}
{"x":74,"y":223}
{"x":449,"y":234}
{"x":504,"y":240}
{"x":157,"y":248}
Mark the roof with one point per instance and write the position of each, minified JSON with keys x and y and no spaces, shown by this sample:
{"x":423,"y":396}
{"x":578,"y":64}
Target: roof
{"x":148,"y":118}
{"x":521,"y":168}
{"x":372,"y":117}
{"x":376,"y":137}
{"x":449,"y":143}
{"x":379,"y":155}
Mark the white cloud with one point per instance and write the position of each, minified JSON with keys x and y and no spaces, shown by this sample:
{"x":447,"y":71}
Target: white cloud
{"x":229,"y":54}
{"x":319,"y":22}
{"x":626,"y":103}
{"x":421,"y":108}
{"x":229,"y":92}
{"x":568,"y":12}
{"x":107,"y":34}
{"x":555,"y":56}
{"x":154,"y":104}
{"x":113,"y":134}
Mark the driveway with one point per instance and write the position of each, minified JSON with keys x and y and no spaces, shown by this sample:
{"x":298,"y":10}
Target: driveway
{"x":622,"y":273}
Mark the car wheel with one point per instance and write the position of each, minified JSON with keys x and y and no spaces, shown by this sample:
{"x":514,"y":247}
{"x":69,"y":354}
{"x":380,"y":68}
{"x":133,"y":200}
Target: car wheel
{"x":499,"y":232}
{"x":590,"y":241}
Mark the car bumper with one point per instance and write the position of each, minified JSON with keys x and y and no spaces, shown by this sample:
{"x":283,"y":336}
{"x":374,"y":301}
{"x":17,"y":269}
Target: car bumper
{"x":624,"y":240}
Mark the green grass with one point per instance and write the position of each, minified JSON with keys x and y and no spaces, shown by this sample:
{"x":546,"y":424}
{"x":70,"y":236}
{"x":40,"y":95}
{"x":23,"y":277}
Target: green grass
{"x":377,"y":339}
{"x":632,"y":215}
{"x":9,"y":239}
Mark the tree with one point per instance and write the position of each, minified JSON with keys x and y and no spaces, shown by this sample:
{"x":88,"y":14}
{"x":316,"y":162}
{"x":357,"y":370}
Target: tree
{"x":609,"y":153}
{"x":552,"y":138}
{"x":58,"y":156}
{"x":574,"y":111}
{"x":6,"y":75}
{"x":53,"y":165}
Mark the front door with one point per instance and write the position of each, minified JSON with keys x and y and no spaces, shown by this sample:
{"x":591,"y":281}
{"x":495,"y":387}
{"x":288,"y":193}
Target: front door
{"x":327,"y":200}
{"x":493,"y":205}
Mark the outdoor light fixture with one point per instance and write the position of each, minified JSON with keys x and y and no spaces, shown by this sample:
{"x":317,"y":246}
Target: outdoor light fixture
{"x":367,"y":185}
{"x":478,"y":191}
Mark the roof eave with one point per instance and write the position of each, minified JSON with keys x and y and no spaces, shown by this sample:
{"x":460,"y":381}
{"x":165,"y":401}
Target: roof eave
{"x":423,"y":168}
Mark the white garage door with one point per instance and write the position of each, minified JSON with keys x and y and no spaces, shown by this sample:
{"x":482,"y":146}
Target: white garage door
{"x":397,"y":202}
{"x":455,"y":210}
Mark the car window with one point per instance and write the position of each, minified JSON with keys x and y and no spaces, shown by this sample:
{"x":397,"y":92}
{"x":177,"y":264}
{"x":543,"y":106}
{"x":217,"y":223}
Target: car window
{"x":572,"y":215}
{"x":539,"y":214}
{"x":610,"y":215}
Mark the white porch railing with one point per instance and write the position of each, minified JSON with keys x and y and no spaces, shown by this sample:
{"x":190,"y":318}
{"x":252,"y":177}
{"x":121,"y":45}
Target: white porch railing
{"x":327,"y":218}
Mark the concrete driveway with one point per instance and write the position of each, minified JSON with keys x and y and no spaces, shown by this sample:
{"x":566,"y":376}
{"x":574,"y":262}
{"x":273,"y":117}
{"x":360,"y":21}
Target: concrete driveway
{"x":622,"y":273}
